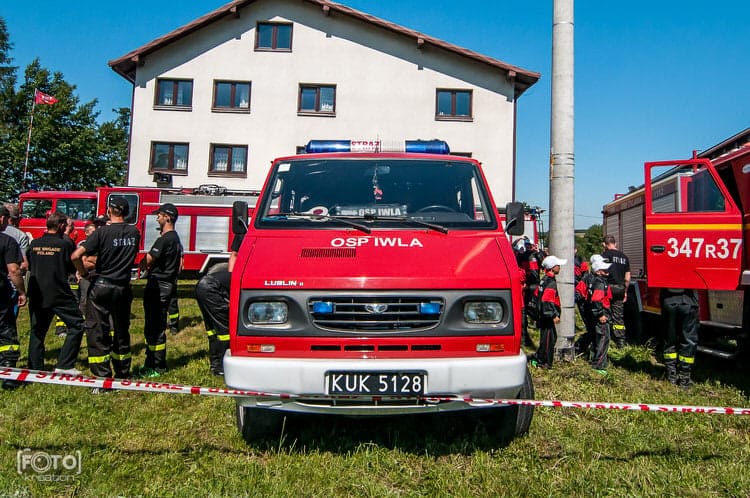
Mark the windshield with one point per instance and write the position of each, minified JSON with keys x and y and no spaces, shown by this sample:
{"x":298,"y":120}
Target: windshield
{"x":381,"y":192}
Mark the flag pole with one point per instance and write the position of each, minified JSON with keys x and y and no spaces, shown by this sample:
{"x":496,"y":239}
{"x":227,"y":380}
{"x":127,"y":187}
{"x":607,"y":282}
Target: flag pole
{"x":28,"y":142}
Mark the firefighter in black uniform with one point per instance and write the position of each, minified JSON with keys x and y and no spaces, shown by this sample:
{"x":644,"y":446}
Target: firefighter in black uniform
{"x":50,"y":293}
{"x":619,"y":281}
{"x":679,"y":310}
{"x":212,"y":294}
{"x":599,"y":298}
{"x":163,"y":264}
{"x":115,"y":246}
{"x":10,"y":272}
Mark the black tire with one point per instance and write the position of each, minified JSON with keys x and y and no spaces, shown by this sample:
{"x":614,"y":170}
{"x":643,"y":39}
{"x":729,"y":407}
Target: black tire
{"x":524,"y":413}
{"x":258,"y":424}
{"x":508,"y":422}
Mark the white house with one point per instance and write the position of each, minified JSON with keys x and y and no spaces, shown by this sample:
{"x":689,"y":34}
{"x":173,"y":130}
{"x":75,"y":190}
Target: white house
{"x":216,"y":100}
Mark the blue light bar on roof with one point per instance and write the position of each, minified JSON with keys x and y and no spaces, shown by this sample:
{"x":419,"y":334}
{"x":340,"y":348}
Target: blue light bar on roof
{"x":428,"y":146}
{"x":318,"y":146}
{"x":414,"y":146}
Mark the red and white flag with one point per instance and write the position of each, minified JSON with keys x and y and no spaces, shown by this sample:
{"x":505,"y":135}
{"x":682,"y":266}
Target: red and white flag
{"x":43,"y":98}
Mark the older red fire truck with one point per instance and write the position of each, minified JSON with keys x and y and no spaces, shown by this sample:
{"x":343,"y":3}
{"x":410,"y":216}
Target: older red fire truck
{"x":376,"y":283}
{"x":34,"y":207}
{"x":203,"y":224}
{"x":687,"y":227}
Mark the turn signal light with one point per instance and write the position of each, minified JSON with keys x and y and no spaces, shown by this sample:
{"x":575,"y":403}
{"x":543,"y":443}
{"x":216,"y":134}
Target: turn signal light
{"x":261,"y":348}
{"x":490,"y":348}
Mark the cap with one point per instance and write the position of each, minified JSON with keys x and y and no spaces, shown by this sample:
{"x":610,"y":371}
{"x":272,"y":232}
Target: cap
{"x":167,"y":208}
{"x":596,"y":257}
{"x":519,"y":245}
{"x":121,"y":203}
{"x":551,"y":261}
{"x":600,"y":265}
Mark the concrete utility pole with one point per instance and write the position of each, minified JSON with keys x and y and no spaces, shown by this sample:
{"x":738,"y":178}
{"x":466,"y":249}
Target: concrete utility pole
{"x":562,"y":169}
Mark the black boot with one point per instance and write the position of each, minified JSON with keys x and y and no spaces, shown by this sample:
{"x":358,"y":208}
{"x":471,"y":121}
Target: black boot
{"x":672,"y":376}
{"x":684,"y":381}
{"x":216,"y":350}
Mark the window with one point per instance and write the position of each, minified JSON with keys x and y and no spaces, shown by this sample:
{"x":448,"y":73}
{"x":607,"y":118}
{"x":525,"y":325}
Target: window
{"x":231,"y":95}
{"x":273,"y":36}
{"x":228,"y":160}
{"x":77,"y":209}
{"x":169,"y":157}
{"x":174,"y":93}
{"x":133,"y":203}
{"x":35,"y":208}
{"x":317,"y":99}
{"x":685,"y":188}
{"x":449,"y":193}
{"x":453,"y":105}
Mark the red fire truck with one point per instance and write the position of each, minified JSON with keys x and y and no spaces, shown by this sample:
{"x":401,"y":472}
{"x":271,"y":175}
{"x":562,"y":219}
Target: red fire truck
{"x":376,"y":283}
{"x":203,"y":223}
{"x":34,"y":207}
{"x":687,"y":227}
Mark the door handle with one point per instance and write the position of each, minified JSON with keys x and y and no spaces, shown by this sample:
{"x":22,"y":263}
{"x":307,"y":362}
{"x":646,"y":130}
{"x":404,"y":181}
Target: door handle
{"x":658,"y":249}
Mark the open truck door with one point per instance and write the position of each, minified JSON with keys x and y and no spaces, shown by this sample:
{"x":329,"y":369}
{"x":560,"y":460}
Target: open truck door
{"x":693,"y":227}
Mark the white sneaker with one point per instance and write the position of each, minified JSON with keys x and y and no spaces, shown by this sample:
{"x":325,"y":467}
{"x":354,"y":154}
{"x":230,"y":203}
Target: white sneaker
{"x":68,"y":371}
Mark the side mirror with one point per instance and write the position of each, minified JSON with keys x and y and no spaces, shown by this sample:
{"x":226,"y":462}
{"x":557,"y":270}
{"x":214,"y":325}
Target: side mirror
{"x":239,"y":217}
{"x":514,"y":218}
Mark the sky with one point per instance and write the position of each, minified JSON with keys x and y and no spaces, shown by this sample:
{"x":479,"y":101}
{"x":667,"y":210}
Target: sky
{"x":654,"y":80}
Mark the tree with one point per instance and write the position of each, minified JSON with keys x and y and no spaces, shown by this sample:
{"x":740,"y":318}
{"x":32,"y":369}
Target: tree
{"x":68,"y":149}
{"x":591,"y":242}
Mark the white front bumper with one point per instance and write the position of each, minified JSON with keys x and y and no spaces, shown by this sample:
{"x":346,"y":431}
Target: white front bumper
{"x":480,"y":378}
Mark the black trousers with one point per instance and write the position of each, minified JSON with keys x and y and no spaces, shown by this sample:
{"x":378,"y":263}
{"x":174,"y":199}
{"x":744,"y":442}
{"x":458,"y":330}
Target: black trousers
{"x":545,"y":354}
{"x":527,"y":293}
{"x":680,"y":314}
{"x":599,"y":358}
{"x":617,"y":309}
{"x":174,"y":314}
{"x":83,"y":291}
{"x":589,"y":336}
{"x":40,"y":322}
{"x":157,"y":298}
{"x":213,"y":301}
{"x":10,"y":349}
{"x":107,"y":301}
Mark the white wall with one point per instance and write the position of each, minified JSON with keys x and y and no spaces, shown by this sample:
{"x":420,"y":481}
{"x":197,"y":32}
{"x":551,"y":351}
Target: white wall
{"x":385,"y":89}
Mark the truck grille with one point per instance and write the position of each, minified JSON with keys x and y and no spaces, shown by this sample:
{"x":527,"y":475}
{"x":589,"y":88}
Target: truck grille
{"x":380,"y":314}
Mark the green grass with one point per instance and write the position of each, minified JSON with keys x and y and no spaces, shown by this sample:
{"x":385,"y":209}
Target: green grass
{"x":139,"y":444}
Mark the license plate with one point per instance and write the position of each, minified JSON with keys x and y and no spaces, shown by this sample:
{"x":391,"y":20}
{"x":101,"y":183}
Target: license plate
{"x":376,"y":383}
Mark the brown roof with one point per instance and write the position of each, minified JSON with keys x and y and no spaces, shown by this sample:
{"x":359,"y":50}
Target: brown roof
{"x":126,"y":65}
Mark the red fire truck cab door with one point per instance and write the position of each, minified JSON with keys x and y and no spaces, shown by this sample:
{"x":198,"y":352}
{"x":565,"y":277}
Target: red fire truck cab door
{"x":693,"y":227}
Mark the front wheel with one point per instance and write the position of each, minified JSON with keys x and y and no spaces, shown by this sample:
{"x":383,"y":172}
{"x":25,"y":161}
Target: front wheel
{"x":257,"y":424}
{"x":508,"y":422}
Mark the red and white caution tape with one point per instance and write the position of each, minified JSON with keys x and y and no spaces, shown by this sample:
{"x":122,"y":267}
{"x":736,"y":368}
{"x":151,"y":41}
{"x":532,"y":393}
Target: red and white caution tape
{"x":37,"y":376}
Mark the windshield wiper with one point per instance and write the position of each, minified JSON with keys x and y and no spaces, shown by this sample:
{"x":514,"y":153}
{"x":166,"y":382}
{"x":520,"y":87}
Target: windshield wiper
{"x":320,"y":217}
{"x":432,"y":226}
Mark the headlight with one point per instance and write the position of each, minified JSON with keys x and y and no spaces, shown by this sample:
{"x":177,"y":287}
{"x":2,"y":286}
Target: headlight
{"x":267,"y":312}
{"x":483,"y":312}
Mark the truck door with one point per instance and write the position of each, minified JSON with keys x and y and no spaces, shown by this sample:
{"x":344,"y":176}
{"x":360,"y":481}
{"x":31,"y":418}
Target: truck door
{"x":693,"y":227}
